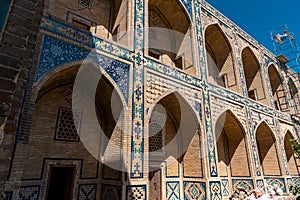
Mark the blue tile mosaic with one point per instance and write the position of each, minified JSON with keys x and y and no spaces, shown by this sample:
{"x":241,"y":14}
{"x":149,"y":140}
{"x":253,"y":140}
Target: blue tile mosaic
{"x":194,"y":190}
{"x":136,"y":192}
{"x":29,"y":192}
{"x":173,"y":190}
{"x":56,"y":53}
{"x":87,"y":191}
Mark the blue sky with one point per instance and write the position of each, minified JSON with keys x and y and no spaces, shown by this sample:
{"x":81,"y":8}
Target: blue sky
{"x":259,"y":17}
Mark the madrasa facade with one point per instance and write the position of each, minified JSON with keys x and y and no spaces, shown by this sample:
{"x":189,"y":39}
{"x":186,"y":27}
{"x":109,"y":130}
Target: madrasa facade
{"x":139,"y":99}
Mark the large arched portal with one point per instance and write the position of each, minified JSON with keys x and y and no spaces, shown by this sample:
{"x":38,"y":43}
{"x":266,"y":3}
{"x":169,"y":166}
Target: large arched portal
{"x":65,"y":142}
{"x":174,"y":144}
{"x":292,"y":159}
{"x":169,"y":36}
{"x":231,"y":146}
{"x":219,"y":58}
{"x":267,"y":150}
{"x":253,"y":76}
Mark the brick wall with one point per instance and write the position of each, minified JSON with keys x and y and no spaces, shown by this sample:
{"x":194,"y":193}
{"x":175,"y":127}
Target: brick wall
{"x":16,"y":51}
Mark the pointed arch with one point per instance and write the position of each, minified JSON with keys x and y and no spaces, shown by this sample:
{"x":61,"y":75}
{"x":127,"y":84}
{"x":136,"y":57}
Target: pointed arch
{"x":277,"y":88}
{"x":231,"y":146}
{"x":292,"y":88}
{"x":71,"y":70}
{"x":219,"y":57}
{"x":177,"y":93}
{"x":174,"y":137}
{"x":252,"y":74}
{"x":266,"y":143}
{"x":292,"y":159}
{"x":169,"y":34}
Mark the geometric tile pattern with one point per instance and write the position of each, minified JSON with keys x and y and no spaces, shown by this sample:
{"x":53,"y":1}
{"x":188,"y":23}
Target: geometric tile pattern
{"x":296,"y":181}
{"x":278,"y":181}
{"x":253,"y":142}
{"x":194,"y":191}
{"x":215,"y":190}
{"x":260,"y":183}
{"x":29,"y":192}
{"x":110,"y":192}
{"x":188,"y":6}
{"x":8,"y":195}
{"x":247,"y":184}
{"x":206,"y":100}
{"x":225,"y":187}
{"x":56,"y":53}
{"x":66,"y":125}
{"x":72,"y":33}
{"x":137,"y":192}
{"x":87,"y":192}
{"x":173,"y":190}
{"x":67,"y":93}
{"x":137,"y":145}
{"x":280,"y":141}
{"x":86,"y":3}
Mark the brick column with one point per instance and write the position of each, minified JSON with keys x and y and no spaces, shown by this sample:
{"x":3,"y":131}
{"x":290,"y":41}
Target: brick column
{"x":16,"y":53}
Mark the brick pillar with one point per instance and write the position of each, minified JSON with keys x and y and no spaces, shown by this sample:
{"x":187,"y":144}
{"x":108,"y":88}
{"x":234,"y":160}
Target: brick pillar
{"x":16,"y":53}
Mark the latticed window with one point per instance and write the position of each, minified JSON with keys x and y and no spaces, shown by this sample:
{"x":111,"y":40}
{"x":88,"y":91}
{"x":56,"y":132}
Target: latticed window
{"x":155,"y":137}
{"x":66,"y":124}
{"x":86,"y":3}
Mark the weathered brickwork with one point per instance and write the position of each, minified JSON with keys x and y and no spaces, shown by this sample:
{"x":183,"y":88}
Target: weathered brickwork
{"x":192,"y":121}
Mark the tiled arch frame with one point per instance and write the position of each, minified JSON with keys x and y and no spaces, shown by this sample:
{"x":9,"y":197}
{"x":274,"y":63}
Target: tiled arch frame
{"x":245,"y":134}
{"x":195,"y":112}
{"x":283,"y":135}
{"x":234,"y":50}
{"x":277,"y":141}
{"x":188,"y":10}
{"x":56,"y":70}
{"x":283,"y":81}
{"x":262,"y":70}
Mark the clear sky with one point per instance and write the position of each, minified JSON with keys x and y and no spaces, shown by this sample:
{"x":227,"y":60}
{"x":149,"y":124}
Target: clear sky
{"x":259,"y":17}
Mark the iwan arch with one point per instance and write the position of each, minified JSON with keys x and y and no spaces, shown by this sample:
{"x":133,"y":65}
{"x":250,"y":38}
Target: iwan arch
{"x":186,"y":105}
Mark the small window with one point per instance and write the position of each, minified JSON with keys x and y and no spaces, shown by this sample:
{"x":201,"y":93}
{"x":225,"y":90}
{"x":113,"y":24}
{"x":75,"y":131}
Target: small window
{"x":179,"y":62}
{"x":224,"y":80}
{"x":276,"y":105}
{"x":115,"y":33}
{"x":154,"y":54}
{"x":251,"y":94}
{"x":86,"y":3}
{"x":80,"y":24}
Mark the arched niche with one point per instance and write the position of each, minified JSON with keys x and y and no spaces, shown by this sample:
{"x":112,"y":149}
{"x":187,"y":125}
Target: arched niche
{"x":169,"y":35}
{"x":231,"y":147}
{"x":253,"y":76}
{"x":292,"y":159}
{"x":72,"y":132}
{"x":278,"y":92}
{"x":293,"y":89}
{"x":219,"y":58}
{"x":267,"y":150}
{"x":173,"y":142}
